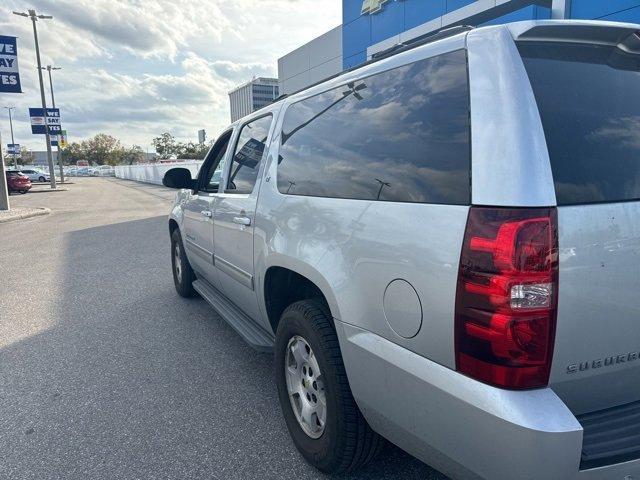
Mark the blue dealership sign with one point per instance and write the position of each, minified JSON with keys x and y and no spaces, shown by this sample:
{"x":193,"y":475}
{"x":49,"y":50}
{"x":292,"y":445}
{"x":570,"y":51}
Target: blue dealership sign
{"x":9,"y":75}
{"x":40,"y":121}
{"x":13,"y":148}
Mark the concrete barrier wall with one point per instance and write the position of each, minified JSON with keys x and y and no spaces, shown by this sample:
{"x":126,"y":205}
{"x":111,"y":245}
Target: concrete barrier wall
{"x":154,"y":172}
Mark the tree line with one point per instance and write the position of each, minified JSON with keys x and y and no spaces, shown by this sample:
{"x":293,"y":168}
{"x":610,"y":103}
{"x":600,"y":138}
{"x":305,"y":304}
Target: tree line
{"x":167,"y":147}
{"x":103,"y":149}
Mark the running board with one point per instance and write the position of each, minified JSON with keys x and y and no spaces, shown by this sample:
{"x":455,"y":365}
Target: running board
{"x":251,"y":332}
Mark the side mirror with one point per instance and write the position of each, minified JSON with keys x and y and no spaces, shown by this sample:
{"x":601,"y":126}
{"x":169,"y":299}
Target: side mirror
{"x":178,"y":178}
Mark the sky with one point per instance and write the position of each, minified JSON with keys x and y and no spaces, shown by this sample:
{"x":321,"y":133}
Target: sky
{"x":137,"y":68}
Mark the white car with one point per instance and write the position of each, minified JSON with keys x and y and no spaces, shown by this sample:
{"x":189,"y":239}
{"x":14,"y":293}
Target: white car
{"x":103,"y":171}
{"x":36,"y":175}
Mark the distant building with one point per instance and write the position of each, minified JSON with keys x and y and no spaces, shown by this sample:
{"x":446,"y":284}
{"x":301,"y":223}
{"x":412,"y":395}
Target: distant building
{"x":252,"y":96}
{"x":40,"y":157}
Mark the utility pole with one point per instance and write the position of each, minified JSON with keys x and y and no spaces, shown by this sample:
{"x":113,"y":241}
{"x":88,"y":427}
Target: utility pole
{"x":4,"y":188}
{"x":53,"y":103}
{"x":34,"y":18}
{"x":13,"y":142}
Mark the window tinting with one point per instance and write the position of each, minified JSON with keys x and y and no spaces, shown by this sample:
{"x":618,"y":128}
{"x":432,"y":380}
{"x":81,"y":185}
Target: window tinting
{"x":589,"y":102}
{"x":400,"y":136}
{"x":248,"y":155}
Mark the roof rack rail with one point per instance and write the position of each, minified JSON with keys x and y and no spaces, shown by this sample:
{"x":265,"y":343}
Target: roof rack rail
{"x":422,"y":40}
{"x":401,"y":47}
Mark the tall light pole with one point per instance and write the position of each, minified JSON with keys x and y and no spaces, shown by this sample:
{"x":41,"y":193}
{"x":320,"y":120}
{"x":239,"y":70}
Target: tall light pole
{"x":53,"y":102}
{"x":34,"y":18}
{"x":15,"y":160}
{"x":4,"y":188}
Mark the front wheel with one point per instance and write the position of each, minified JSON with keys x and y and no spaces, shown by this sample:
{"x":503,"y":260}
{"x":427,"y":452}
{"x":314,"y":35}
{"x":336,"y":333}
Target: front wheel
{"x":42,"y":179}
{"x":320,"y":412}
{"x":183,"y":275}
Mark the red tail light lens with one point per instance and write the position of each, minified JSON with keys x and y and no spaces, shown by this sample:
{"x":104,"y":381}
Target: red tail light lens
{"x":507,"y":296}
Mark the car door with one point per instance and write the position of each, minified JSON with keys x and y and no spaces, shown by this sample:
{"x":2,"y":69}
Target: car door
{"x":198,"y":212}
{"x":235,"y":214}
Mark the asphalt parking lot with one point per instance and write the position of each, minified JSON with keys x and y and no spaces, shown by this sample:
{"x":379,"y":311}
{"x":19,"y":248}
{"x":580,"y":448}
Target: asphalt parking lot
{"x":106,"y":373}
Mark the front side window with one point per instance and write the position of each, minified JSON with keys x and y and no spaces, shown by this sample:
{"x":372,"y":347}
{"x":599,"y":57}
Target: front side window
{"x":215,"y":164}
{"x":589,"y":101}
{"x":248,"y":155}
{"x":400,"y":136}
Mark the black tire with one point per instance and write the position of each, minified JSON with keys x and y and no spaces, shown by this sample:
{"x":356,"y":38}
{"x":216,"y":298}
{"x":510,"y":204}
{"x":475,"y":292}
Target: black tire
{"x":347,"y":441}
{"x":183,"y":281}
{"x":22,"y":192}
{"x":42,"y":179}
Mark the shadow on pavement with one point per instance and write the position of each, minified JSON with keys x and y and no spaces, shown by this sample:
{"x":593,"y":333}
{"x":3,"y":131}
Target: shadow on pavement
{"x":132,"y":381}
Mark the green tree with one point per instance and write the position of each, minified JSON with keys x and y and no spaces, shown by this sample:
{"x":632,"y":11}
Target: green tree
{"x":192,"y":150}
{"x":26,"y":157}
{"x":166,"y":146}
{"x":103,"y":149}
{"x":131,"y":155}
{"x":72,"y":153}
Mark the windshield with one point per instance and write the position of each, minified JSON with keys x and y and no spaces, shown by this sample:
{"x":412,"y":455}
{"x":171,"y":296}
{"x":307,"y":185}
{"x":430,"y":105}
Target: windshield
{"x":589,"y":102}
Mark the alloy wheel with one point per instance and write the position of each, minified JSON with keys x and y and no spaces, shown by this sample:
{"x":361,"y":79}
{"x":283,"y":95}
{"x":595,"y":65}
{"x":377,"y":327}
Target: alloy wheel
{"x":177,"y":263}
{"x":306,"y":387}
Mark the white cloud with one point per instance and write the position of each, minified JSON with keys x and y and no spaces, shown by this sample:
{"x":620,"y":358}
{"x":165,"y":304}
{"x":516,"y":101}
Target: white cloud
{"x":136,"y":68}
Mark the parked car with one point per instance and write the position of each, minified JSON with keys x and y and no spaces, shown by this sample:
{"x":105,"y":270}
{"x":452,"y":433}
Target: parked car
{"x":441,"y":248}
{"x":17,"y":182}
{"x":104,"y":171}
{"x":36,"y":175}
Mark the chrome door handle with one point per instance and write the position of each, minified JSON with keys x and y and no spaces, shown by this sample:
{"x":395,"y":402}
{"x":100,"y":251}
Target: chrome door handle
{"x":246,"y":221}
{"x":206,"y":213}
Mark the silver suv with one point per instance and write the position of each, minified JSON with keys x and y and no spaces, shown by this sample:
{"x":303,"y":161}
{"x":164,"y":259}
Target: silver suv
{"x":441,"y":248}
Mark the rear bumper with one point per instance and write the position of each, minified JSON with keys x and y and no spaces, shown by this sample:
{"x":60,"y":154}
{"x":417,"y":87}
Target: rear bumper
{"x":460,"y":426}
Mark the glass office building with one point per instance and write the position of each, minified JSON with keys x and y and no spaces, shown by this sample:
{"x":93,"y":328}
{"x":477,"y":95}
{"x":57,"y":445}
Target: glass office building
{"x":252,"y":96}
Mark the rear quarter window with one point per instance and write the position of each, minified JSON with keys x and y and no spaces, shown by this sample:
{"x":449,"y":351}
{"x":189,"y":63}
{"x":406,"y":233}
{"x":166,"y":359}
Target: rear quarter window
{"x":401,"y":136}
{"x":589,"y":102}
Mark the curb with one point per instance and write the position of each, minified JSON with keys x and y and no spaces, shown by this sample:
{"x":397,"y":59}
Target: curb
{"x":49,"y":190}
{"x":21,"y":216}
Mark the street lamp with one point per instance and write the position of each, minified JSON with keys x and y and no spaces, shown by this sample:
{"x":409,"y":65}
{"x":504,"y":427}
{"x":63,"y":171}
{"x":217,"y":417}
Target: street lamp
{"x":34,"y":18}
{"x":49,"y":68}
{"x":15,"y":160}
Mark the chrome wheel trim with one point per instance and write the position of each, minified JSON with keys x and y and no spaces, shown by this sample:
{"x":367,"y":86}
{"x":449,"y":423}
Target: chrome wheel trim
{"x":177,"y":264}
{"x":305,"y":386}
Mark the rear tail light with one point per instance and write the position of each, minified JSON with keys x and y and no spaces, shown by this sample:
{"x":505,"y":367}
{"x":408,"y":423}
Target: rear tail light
{"x":506,"y":302}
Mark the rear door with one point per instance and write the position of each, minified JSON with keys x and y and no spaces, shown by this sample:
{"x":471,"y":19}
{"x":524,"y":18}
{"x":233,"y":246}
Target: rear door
{"x":589,"y":101}
{"x":235,"y":214}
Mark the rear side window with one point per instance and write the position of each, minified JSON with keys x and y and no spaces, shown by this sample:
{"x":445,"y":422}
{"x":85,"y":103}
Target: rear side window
{"x":401,"y":136}
{"x":589,"y":102}
{"x":248,"y":155}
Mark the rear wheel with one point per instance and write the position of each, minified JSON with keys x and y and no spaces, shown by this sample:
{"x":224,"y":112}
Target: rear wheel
{"x":23,"y":191}
{"x":183,"y":275}
{"x":320,"y":412}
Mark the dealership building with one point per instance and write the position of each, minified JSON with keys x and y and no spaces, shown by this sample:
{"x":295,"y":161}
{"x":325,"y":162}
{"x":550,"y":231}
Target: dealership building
{"x":371,"y":26}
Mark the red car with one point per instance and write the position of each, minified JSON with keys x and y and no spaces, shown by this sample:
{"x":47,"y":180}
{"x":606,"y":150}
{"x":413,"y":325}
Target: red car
{"x":17,"y":182}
